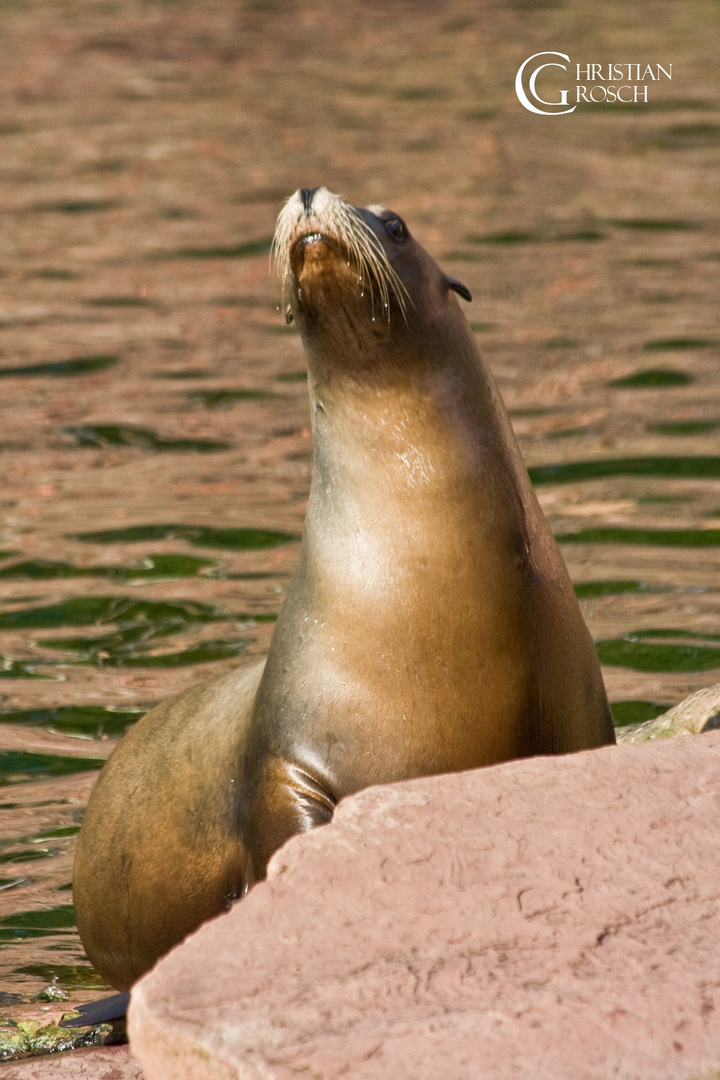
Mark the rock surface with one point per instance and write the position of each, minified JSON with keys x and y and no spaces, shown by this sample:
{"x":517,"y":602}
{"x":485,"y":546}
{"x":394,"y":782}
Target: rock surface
{"x":554,"y":918}
{"x":99,"y":1063}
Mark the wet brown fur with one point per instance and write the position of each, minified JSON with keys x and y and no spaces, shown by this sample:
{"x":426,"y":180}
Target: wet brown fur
{"x":431,"y":625}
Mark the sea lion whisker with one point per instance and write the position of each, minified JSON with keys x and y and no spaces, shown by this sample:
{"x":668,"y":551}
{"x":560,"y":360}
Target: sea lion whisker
{"x":375,"y":262}
{"x":351,"y":230}
{"x":378,"y":261}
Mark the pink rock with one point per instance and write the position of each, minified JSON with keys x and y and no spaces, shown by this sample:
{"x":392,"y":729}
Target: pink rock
{"x":98,"y":1063}
{"x":554,"y":918}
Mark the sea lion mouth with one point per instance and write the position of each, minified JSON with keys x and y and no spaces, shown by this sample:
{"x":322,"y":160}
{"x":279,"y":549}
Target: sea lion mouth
{"x":310,"y":238}
{"x":316,"y":237}
{"x":321,"y":218}
{"x":313,"y":244}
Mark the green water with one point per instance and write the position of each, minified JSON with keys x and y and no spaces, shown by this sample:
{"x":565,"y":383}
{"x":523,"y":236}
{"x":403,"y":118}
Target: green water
{"x":153,"y":567}
{"x":635,"y":712}
{"x":502,"y":238}
{"x":142,"y":438}
{"x":293,"y":376}
{"x":650,"y":650}
{"x":681,"y":343}
{"x":93,"y":721}
{"x":661,"y":537}
{"x":70,"y":976}
{"x":76,"y":206}
{"x":687,"y":427}
{"x":19,"y":766}
{"x":587,"y":589}
{"x":138,"y":627}
{"x":232,"y":251}
{"x":20,"y":669}
{"x":94,"y":610}
{"x":660,"y":467}
{"x":33,"y":924}
{"x":198,"y":535}
{"x":120,"y":301}
{"x":182,"y":373}
{"x":218,"y":399}
{"x":654,"y":224}
{"x":652,"y":377}
{"x":77,"y":365}
{"x":25,"y":855}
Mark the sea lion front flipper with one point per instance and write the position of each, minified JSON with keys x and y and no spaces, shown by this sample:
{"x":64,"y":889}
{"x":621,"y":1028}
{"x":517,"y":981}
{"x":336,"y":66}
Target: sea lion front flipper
{"x":288,"y":800}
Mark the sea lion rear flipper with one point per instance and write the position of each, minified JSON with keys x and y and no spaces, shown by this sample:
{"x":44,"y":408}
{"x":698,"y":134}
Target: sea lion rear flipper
{"x":99,"y":1012}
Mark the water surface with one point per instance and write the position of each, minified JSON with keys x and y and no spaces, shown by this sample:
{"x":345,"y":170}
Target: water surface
{"x":154,"y":432}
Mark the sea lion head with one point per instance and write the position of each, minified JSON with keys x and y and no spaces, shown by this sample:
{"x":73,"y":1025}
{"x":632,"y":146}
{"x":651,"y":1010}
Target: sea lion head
{"x":355,"y":280}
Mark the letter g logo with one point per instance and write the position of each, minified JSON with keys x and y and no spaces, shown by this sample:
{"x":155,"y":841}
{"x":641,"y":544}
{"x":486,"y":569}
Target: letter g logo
{"x":523,"y":96}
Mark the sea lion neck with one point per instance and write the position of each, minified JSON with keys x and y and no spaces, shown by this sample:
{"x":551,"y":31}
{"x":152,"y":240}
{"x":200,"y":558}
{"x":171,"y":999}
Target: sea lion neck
{"x":400,"y":400}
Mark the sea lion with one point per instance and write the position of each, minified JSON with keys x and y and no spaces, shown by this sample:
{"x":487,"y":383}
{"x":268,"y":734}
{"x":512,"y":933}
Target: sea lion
{"x":431,"y":625}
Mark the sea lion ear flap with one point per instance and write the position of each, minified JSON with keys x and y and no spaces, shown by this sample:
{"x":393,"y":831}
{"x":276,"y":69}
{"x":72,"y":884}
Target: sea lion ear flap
{"x":458,"y":287}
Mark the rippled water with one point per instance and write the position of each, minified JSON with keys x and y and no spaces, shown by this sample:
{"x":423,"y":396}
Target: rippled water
{"x":154,"y":444}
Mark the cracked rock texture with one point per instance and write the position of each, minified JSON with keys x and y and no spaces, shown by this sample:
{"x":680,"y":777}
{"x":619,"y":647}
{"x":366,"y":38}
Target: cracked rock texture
{"x":554,"y":918}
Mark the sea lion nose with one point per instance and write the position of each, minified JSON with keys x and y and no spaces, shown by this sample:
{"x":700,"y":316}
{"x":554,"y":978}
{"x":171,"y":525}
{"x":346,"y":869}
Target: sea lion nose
{"x":306,"y":194}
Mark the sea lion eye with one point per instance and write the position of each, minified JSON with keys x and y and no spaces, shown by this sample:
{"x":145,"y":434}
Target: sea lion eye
{"x":396,"y":228}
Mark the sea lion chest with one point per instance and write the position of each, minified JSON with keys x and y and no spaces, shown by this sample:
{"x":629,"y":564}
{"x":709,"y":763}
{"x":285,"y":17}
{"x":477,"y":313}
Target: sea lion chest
{"x":409,"y":609}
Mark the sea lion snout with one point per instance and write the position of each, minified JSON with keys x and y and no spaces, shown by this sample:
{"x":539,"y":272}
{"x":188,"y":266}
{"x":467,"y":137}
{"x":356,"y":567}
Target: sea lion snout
{"x":310,"y":206}
{"x":354,"y":236}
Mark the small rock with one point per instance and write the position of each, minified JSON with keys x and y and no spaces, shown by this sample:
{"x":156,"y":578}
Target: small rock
{"x":53,"y":992}
{"x":100,"y":1063}
{"x":699,"y":712}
